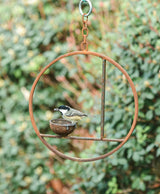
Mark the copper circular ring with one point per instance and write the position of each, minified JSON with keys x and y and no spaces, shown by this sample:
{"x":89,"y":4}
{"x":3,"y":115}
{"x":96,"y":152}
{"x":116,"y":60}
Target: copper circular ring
{"x":135,"y":101}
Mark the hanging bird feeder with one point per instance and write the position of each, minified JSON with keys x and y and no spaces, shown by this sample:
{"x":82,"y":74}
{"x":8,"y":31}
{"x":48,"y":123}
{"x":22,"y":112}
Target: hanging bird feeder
{"x":63,"y":127}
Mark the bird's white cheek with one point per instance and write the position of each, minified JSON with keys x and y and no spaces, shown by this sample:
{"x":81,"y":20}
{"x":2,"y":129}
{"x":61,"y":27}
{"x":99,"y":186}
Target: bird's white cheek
{"x":63,"y":111}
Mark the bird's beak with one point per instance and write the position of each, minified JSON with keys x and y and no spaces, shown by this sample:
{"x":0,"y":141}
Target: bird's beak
{"x":56,"y":109}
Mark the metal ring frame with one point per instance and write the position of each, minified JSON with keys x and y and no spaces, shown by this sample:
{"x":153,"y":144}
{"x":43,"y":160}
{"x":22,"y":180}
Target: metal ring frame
{"x":122,"y":141}
{"x":90,"y":7}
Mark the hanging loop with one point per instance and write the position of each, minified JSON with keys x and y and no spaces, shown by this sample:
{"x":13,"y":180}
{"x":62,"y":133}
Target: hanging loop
{"x":90,"y":7}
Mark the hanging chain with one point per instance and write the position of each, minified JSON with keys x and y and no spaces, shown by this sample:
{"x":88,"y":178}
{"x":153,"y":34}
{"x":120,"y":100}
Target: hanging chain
{"x":84,"y":44}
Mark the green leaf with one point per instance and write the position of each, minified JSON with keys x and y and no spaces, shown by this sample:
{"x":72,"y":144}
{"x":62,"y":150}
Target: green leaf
{"x":157,"y":111}
{"x":157,"y":141}
{"x":158,"y":152}
{"x":149,"y":115}
{"x":136,"y":156}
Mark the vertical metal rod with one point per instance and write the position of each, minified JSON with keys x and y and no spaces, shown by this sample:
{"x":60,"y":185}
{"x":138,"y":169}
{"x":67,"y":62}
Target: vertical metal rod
{"x":103,"y":97}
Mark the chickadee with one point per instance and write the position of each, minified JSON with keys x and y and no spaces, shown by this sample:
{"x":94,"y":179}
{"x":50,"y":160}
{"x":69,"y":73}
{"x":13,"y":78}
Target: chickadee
{"x":70,"y":114}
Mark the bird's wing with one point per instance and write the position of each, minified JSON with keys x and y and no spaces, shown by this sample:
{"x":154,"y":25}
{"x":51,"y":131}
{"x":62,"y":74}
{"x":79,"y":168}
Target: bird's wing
{"x":75,"y":113}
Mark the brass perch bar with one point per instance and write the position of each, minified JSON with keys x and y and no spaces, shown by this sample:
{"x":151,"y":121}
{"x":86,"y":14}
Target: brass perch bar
{"x":81,"y":138}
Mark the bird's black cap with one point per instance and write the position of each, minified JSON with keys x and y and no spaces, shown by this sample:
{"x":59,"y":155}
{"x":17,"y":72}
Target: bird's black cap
{"x":64,"y":107}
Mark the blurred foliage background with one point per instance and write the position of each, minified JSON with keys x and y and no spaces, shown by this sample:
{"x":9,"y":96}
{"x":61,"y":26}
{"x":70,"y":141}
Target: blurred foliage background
{"x":32,"y":34}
